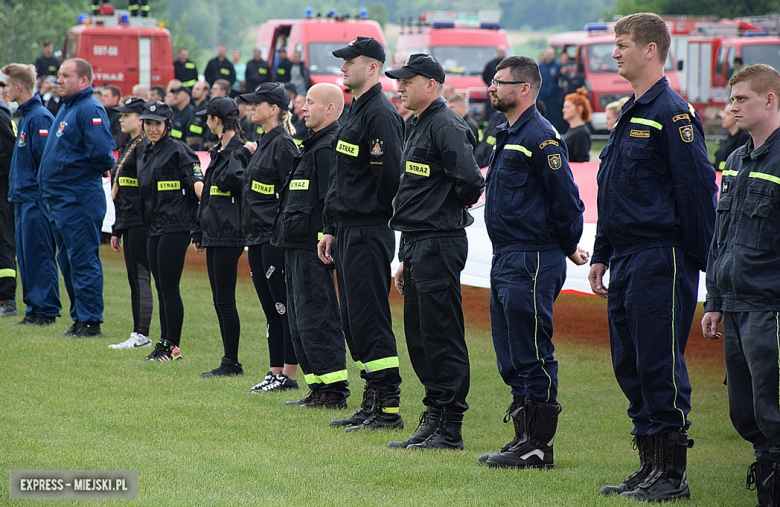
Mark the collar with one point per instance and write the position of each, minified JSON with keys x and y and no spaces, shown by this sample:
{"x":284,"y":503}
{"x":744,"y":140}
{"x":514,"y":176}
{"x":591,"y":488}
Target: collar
{"x":316,"y":136}
{"x":653,"y":92}
{"x":158,"y":146}
{"x":79,"y":96}
{"x":27,"y":106}
{"x":514,"y":128}
{"x":754,"y":154}
{"x":358,"y":103}
{"x":434,"y":106}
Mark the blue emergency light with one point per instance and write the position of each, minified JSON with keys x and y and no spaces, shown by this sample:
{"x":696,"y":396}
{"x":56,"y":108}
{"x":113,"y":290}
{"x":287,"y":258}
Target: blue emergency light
{"x":332,"y":13}
{"x":596,"y":27}
{"x":83,"y":18}
{"x":308,"y":13}
{"x":363,"y":13}
{"x":124,"y":18}
{"x":755,"y":33}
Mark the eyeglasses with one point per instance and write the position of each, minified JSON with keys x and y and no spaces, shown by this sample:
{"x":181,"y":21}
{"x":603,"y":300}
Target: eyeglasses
{"x":496,"y":83}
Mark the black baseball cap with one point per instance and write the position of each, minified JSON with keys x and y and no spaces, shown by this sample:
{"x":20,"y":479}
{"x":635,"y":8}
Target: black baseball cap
{"x":362,"y":46}
{"x":273,"y":93}
{"x":181,"y":89}
{"x":221,"y":107}
{"x":159,"y":111}
{"x":418,"y":65}
{"x":132,"y":105}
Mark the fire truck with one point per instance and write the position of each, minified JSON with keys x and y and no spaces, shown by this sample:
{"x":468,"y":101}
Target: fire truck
{"x":591,"y":50}
{"x":463,"y":43}
{"x":316,"y":37}
{"x":124,"y":50}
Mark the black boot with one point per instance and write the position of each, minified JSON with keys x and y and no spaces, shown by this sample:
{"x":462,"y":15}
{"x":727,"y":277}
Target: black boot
{"x":385,"y":412}
{"x":362,"y":413}
{"x":447,"y":434}
{"x":309,"y":400}
{"x":518,"y":413}
{"x":764,"y":477}
{"x":329,"y":399}
{"x":667,"y":480}
{"x":429,"y":421}
{"x":644,"y":445}
{"x":535,"y":451}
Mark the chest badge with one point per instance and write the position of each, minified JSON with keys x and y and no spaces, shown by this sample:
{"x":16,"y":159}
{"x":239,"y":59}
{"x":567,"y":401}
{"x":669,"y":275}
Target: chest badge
{"x":377,"y":150}
{"x":686,"y":133}
{"x":554,"y":161}
{"x":61,"y":128}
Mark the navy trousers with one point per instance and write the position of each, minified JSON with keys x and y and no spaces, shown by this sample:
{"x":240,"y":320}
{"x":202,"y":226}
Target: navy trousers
{"x":35,"y":254}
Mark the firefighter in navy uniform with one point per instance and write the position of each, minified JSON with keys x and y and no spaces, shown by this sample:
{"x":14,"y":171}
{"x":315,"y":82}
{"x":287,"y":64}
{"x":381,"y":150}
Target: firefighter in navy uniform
{"x":312,"y":306}
{"x":440,"y":180}
{"x":363,"y":182}
{"x":656,"y":204}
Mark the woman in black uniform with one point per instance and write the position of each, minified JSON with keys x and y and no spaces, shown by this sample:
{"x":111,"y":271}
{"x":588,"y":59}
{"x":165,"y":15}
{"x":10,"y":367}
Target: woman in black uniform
{"x":170,"y":181}
{"x":218,"y":228}
{"x":266,"y":173}
{"x":129,"y":226}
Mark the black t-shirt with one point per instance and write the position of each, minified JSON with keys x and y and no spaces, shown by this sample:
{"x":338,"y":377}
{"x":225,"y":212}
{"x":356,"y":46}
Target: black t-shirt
{"x":578,"y":142}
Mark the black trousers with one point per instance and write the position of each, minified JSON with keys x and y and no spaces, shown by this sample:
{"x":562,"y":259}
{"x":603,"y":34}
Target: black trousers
{"x":222,"y":265}
{"x":166,"y":259}
{"x":315,"y":326}
{"x":266,"y":262}
{"x":750,"y":343}
{"x":362,"y":255}
{"x":433,"y":318}
{"x":7,"y":248}
{"x":139,"y":277}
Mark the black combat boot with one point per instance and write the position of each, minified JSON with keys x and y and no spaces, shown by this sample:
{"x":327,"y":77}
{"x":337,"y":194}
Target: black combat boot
{"x":667,"y":480}
{"x":644,"y":445}
{"x":429,"y":421}
{"x":385,"y":412}
{"x":309,"y":400}
{"x":362,"y":413}
{"x":764,"y":477}
{"x":518,"y":413}
{"x":535,"y":451}
{"x":447,"y":434}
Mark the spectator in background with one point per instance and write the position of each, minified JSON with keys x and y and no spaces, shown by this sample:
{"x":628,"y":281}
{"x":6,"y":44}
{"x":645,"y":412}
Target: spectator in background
{"x":157,"y":94}
{"x":170,"y":96}
{"x":257,"y":71}
{"x":299,"y":74}
{"x":490,"y":67}
{"x":299,"y":122}
{"x":570,"y":79}
{"x":576,"y":112}
{"x":198,"y":128}
{"x":220,"y":67}
{"x":612,"y":112}
{"x":140,"y":92}
{"x":185,"y":69}
{"x":550,"y":93}
{"x":220,"y":88}
{"x":457,"y":103}
{"x":110,"y":99}
{"x":55,"y":100}
{"x":738,"y":66}
{"x":291,"y":90}
{"x":240,"y":69}
{"x":183,"y":114}
{"x":283,"y":67}
{"x":448,"y":91}
{"x":47,"y":64}
{"x":734,"y":140}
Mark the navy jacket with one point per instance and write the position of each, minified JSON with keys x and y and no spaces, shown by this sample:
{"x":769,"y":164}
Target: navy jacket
{"x":32,"y":133}
{"x":656,"y":183}
{"x":531,"y":201}
{"x":79,"y":149}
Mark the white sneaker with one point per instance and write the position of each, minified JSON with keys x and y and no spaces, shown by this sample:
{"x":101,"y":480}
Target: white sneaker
{"x":136,"y":340}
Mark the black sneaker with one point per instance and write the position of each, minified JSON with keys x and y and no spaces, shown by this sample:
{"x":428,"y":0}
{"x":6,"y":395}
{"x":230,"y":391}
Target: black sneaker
{"x":43,"y":320}
{"x":226,"y":369}
{"x":28,"y":320}
{"x":258,"y":388}
{"x":72,"y":329}
{"x":87,"y":330}
{"x":281,"y":383}
{"x":165,"y":351}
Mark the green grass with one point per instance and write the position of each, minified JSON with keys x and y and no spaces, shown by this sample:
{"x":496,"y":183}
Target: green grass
{"x":73,"y":404}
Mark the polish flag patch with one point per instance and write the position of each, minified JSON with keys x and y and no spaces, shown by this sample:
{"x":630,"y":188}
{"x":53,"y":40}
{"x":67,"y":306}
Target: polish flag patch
{"x":97,"y":121}
{"x":43,"y":132}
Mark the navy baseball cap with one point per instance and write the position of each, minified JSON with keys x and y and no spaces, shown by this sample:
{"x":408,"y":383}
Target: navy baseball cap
{"x":362,"y":46}
{"x":159,"y":111}
{"x":221,"y":107}
{"x":273,"y":93}
{"x":132,"y":105}
{"x":418,"y":65}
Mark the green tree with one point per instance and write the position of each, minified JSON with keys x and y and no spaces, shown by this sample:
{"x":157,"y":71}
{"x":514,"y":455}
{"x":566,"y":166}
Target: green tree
{"x":719,"y":8}
{"x":378,"y":12}
{"x":27,"y":23}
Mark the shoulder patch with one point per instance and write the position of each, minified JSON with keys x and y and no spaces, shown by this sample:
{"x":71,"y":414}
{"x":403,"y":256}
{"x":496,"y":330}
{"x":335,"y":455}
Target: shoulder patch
{"x":548,"y":142}
{"x":686,"y":133}
{"x":196,"y":169}
{"x":377,"y":149}
{"x":681,"y":117}
{"x":554,"y":161}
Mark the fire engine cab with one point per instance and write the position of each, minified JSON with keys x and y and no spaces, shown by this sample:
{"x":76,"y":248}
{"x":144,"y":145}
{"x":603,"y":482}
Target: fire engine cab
{"x":124,"y":50}
{"x":463,"y":43}
{"x":316,"y":37}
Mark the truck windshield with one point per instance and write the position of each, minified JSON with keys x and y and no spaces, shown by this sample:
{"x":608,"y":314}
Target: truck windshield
{"x":600,"y":59}
{"x":321,"y":59}
{"x":468,"y":60}
{"x":762,"y":53}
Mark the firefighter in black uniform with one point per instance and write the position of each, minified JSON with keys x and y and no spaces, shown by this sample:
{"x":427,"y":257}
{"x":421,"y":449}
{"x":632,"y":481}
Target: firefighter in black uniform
{"x":439,"y":180}
{"x":220,"y":67}
{"x":257,"y":71}
{"x":183,"y":115}
{"x":185,"y":69}
{"x":312,"y":307}
{"x":47,"y":64}
{"x":362,"y":185}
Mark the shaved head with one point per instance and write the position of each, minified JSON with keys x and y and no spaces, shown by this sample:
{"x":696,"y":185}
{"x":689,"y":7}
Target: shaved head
{"x":323,"y":106}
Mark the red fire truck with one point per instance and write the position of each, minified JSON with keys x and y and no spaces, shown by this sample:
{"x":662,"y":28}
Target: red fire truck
{"x":123,"y":50}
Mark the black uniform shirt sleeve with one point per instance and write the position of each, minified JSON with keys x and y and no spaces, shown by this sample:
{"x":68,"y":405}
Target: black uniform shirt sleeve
{"x":385,"y":137}
{"x":456,"y":144}
{"x":322,"y":163}
{"x":231,"y":179}
{"x":189,"y":168}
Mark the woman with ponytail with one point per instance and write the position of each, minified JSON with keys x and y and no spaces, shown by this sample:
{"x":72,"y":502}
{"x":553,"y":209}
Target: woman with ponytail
{"x":576,"y":112}
{"x":170,"y":182}
{"x":265,"y":175}
{"x":218,"y":227}
{"x":129,"y":226}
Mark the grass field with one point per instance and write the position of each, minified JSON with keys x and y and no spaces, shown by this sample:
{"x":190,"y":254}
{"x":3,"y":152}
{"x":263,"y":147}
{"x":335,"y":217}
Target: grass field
{"x":74,"y":404}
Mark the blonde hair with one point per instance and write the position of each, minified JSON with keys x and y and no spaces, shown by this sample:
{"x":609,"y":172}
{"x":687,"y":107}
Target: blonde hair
{"x":616,"y":107}
{"x":285,"y":118}
{"x":22,"y":74}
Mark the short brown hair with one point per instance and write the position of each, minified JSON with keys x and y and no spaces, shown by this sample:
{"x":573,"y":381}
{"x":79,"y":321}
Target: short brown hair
{"x":83,"y":68}
{"x":644,"y":28}
{"x":761,"y":78}
{"x":580,"y":99}
{"x":222,"y":84}
{"x":21,"y":73}
{"x":456,"y":98}
{"x":522,"y":68}
{"x":114,"y":90}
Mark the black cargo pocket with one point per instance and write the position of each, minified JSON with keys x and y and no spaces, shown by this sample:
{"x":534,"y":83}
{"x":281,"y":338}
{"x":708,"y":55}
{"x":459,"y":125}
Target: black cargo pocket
{"x":636,"y":163}
{"x":296,"y":225}
{"x":513,"y":191}
{"x":756,"y":226}
{"x":432,"y":286}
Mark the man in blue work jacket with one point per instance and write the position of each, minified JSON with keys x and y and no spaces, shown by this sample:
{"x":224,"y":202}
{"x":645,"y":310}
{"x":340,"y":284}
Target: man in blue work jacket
{"x":34,"y":240}
{"x":79,"y":151}
{"x":656,"y":206}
